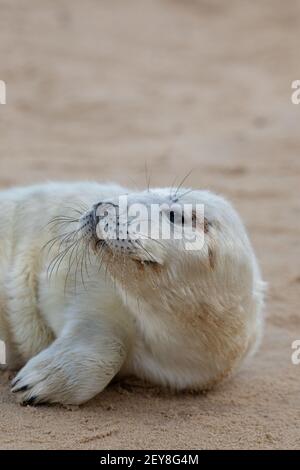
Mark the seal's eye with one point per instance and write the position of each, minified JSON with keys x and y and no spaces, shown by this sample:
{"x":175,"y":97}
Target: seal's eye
{"x":172,"y":217}
{"x":175,"y":218}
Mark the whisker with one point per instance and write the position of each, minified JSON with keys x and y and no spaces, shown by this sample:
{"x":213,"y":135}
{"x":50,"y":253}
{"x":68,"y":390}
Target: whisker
{"x":182,"y":182}
{"x":173,"y":186}
{"x":147,"y":176}
{"x":71,"y":262}
{"x":145,"y":250}
{"x":57,"y":258}
{"x":63,"y":238}
{"x":180,"y":196}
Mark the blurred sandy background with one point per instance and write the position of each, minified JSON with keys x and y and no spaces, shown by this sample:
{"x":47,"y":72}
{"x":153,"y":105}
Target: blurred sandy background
{"x":94,"y":90}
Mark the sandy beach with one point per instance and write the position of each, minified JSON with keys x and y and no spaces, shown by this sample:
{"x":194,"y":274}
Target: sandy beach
{"x":98,"y":90}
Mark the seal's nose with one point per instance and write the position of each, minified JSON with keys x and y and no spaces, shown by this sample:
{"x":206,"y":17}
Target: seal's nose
{"x":99,"y":212}
{"x":101,"y":209}
{"x":104,"y":213}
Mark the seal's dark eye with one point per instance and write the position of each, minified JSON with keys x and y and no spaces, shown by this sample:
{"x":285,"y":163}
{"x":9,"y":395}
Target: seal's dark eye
{"x":172,"y":217}
{"x":175,"y":218}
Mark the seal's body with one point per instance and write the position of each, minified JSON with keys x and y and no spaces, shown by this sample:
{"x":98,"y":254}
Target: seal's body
{"x":77,"y":309}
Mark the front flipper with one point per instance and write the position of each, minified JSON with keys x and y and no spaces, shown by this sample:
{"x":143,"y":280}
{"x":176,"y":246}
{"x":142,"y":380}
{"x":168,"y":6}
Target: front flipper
{"x":76,"y":367}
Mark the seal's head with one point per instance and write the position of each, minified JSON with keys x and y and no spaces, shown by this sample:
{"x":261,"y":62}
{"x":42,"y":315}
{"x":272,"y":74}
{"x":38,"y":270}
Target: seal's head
{"x":158,"y":235}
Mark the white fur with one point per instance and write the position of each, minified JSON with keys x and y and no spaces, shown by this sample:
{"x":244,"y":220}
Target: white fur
{"x":187,"y":324}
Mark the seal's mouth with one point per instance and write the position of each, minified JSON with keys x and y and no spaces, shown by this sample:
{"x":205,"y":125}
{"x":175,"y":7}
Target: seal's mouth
{"x":102,"y":245}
